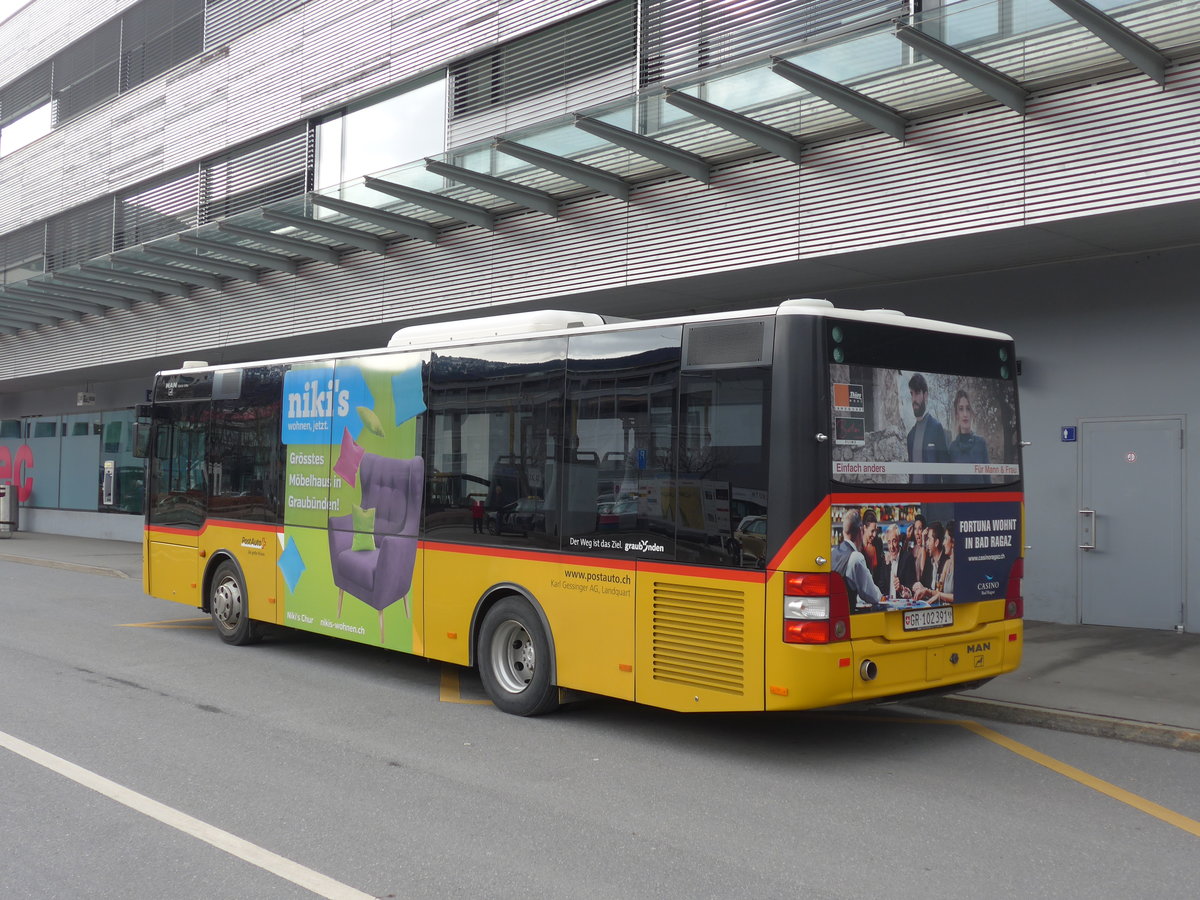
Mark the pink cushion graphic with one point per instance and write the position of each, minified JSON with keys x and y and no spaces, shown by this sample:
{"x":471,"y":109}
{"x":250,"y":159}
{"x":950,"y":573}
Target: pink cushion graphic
{"x":351,"y":455}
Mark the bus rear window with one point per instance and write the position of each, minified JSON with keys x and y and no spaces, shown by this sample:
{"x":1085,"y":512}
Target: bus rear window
{"x":942,"y":416}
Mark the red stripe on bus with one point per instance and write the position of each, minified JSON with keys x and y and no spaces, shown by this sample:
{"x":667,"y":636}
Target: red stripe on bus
{"x":216,"y":523}
{"x":642,"y":565}
{"x":526,"y":555}
{"x":926,"y":498}
{"x":800,"y":531}
{"x":679,"y":569}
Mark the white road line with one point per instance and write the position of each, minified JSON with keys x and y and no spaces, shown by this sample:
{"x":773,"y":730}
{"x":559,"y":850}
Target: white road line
{"x":303,"y":876}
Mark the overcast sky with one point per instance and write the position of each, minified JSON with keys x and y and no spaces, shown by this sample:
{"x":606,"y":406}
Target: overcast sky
{"x":8,"y":7}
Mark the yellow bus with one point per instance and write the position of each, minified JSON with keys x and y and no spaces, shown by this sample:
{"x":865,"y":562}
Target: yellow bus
{"x":781,"y":508}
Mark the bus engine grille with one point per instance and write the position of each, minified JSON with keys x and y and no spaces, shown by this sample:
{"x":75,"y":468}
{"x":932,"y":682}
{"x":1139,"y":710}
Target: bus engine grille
{"x":698,"y":636}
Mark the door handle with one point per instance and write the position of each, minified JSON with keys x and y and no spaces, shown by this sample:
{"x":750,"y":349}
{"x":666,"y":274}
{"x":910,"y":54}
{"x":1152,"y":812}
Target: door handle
{"x":1087,"y":529}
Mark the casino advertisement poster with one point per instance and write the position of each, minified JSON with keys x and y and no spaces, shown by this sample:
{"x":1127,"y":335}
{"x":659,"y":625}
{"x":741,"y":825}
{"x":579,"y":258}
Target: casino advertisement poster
{"x":977,"y":544}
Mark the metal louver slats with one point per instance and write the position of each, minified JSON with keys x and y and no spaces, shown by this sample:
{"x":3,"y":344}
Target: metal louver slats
{"x":586,"y":45}
{"x":86,"y":72}
{"x":164,"y":207}
{"x":227,"y":20}
{"x":699,"y":637}
{"x":265,"y":172}
{"x":21,"y":253}
{"x":156,"y":35}
{"x":20,"y":96}
{"x":685,"y":35}
{"x":79,"y":235}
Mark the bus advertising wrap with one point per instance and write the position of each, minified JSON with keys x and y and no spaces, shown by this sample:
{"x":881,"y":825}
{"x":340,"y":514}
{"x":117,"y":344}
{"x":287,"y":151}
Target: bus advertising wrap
{"x":353,"y":493}
{"x":909,"y":554}
{"x":894,"y":426}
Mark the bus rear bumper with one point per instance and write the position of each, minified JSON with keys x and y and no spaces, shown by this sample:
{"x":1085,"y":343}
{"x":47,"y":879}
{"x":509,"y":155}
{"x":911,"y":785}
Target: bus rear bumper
{"x":876,"y":670}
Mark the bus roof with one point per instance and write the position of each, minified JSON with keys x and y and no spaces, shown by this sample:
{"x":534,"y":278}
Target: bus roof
{"x":547,"y":323}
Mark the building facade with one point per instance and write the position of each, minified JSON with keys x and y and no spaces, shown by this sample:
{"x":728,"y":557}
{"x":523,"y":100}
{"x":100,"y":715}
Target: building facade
{"x":237,"y":179}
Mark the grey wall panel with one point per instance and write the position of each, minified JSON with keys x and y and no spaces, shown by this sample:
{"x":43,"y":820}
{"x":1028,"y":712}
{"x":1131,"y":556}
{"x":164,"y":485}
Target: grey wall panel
{"x":1081,"y":145}
{"x":953,"y":176}
{"x":748,"y":215}
{"x":591,"y":234}
{"x":197,"y":110}
{"x":347,"y":52}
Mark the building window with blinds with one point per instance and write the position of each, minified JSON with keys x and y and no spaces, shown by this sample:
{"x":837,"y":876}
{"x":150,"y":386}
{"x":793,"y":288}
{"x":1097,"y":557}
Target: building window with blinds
{"x":682,"y":36}
{"x":25,"y":109}
{"x":275,"y":168}
{"x":22,"y":253}
{"x":585,"y":46}
{"x":157,"y":35}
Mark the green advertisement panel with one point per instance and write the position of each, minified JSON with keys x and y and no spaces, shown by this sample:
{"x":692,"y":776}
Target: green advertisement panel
{"x":354,"y":484}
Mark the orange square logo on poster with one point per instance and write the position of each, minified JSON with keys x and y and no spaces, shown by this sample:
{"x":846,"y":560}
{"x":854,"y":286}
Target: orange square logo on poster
{"x":847,"y":397}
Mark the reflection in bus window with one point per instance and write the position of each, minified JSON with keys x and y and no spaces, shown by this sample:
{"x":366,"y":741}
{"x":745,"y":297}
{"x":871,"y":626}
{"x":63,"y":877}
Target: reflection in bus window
{"x":621,"y":404}
{"x":494,"y":437}
{"x":245,"y":457}
{"x":721,"y":497}
{"x":177,"y":467}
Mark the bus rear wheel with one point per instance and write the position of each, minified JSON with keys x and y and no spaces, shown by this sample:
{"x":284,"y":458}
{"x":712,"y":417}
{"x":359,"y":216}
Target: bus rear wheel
{"x":514,"y":659}
{"x":227,"y":604}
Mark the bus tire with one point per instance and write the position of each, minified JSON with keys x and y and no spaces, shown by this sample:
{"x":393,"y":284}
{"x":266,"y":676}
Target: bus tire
{"x":227,"y":603}
{"x":514,"y":659}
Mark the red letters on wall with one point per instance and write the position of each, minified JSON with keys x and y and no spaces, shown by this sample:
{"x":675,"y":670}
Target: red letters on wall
{"x":14,"y":469}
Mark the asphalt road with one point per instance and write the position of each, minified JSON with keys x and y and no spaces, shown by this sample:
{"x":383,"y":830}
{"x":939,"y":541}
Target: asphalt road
{"x":151,"y":760}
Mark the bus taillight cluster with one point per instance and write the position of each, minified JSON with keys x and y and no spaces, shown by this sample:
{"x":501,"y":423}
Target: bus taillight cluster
{"x":1014,"y":601}
{"x":816,"y":608}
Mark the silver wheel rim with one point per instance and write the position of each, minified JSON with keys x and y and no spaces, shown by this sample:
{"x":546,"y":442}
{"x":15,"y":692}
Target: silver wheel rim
{"x":514,"y":658}
{"x":227,"y":603}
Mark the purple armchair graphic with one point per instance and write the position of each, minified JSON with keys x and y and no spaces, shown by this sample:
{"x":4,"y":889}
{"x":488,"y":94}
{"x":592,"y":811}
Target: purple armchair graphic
{"x":377,"y":566}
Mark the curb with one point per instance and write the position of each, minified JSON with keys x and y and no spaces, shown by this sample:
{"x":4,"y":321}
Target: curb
{"x":70,"y":567}
{"x":1169,"y":736}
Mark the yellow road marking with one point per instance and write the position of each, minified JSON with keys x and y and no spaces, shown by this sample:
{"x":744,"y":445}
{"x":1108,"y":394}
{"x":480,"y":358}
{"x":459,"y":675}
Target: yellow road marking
{"x":1149,"y":807}
{"x":451,"y":691}
{"x":1191,"y":826}
{"x":169,"y":623}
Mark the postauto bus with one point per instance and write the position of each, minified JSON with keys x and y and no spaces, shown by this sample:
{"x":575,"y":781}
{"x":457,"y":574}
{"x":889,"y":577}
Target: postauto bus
{"x":555,"y":498}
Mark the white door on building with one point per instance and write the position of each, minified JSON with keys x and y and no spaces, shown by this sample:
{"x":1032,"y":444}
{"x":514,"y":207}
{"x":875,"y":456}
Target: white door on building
{"x":1131,"y":522}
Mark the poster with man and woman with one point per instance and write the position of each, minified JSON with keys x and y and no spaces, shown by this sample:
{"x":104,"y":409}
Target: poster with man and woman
{"x":893,"y":426}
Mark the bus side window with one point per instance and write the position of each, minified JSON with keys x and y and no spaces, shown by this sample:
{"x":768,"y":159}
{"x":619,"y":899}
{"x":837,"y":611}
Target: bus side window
{"x":722,"y":483}
{"x":493,"y":440}
{"x":622,"y":393}
{"x":178,"y":483}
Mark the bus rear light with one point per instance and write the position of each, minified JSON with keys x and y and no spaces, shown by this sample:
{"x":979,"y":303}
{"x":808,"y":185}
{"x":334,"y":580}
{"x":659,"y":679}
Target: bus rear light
{"x":816,"y":608}
{"x":1014,"y":602}
{"x":806,"y":584}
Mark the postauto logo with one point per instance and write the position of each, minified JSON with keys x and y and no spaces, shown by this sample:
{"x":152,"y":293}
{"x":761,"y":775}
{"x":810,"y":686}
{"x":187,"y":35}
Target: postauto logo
{"x":318,"y":404}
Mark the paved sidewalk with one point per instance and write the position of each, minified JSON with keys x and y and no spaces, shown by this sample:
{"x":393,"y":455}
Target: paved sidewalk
{"x":1127,"y":683}
{"x":114,"y":559}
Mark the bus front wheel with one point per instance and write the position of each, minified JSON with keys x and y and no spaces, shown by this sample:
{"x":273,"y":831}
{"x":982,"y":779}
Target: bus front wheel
{"x":228,"y":605}
{"x":514,"y":659}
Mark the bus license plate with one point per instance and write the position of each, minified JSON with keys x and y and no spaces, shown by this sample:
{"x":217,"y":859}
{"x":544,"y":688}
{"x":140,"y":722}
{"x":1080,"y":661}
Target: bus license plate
{"x":938,"y":617}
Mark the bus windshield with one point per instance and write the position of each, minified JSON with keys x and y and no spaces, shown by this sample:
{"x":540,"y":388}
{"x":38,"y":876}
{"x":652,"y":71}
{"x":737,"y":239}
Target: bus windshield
{"x":906,"y":411}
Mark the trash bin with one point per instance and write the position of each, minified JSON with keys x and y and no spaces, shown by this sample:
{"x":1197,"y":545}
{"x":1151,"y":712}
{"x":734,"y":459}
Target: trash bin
{"x":9,"y":510}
